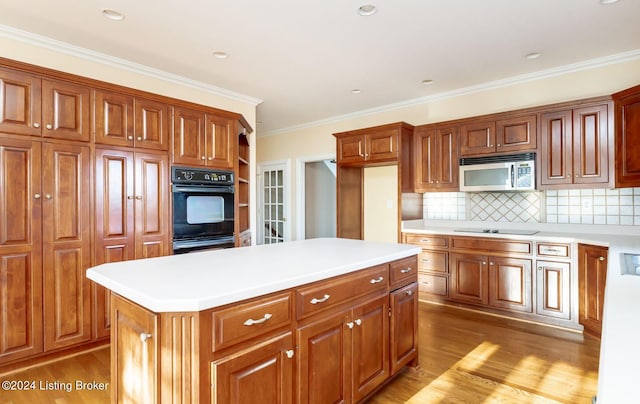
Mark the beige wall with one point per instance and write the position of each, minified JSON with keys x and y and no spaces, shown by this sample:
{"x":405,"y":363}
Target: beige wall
{"x":317,"y":140}
{"x":381,"y":206}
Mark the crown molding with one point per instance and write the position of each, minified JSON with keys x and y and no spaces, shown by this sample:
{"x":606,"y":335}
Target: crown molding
{"x":510,"y":81}
{"x":122,"y":64}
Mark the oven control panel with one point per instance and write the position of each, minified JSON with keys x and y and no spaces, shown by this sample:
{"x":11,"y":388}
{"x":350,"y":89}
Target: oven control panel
{"x":187,"y":175}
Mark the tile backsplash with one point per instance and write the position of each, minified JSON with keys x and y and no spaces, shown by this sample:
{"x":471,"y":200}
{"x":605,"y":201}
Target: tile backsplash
{"x":585,"y":206}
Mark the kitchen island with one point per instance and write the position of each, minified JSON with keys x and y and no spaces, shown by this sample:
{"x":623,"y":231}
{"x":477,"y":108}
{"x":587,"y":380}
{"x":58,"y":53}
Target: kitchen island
{"x":237,"y":324}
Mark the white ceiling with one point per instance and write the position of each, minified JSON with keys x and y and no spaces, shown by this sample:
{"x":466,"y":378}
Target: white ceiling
{"x":302,"y":58}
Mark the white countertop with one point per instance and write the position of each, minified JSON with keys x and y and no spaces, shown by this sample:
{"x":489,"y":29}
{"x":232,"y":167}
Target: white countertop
{"x":202,"y":280}
{"x":619,"y":369}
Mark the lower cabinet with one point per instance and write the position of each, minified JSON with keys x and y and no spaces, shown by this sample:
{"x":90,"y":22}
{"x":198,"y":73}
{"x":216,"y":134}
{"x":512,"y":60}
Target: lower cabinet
{"x":592,"y":278}
{"x":344,"y":357}
{"x":263,"y":372}
{"x":553,"y":289}
{"x":404,"y":327}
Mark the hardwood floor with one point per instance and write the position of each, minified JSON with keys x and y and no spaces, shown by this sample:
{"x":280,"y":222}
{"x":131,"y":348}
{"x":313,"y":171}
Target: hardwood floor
{"x":464,"y":358}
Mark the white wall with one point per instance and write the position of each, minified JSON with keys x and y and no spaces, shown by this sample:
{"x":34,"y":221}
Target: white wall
{"x":320,"y":200}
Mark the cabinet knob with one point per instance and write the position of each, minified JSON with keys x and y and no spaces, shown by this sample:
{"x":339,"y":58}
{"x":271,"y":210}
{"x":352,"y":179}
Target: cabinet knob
{"x":577,"y":175}
{"x":209,"y":158}
{"x":48,"y":196}
{"x":130,"y":137}
{"x":358,"y":321}
{"x":408,"y":293}
{"x":499,"y":145}
{"x":601,"y":258}
{"x":139,"y":197}
{"x":144,"y":336}
{"x":568,"y":175}
{"x":139,"y":138}
{"x":484,"y":262}
{"x":289,"y":353}
{"x":203,"y":158}
{"x":350,"y":324}
{"x":36,"y":196}
{"x":491,"y":263}
{"x":539,"y":268}
{"x":129,"y":197}
{"x":49,"y":126}
{"x":366,"y":154}
{"x":36,"y":124}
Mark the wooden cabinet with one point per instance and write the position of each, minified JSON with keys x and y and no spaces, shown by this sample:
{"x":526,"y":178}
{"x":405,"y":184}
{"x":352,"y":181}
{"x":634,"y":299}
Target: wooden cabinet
{"x":575,"y":148}
{"x":34,"y":106}
{"x":131,"y":215}
{"x":123,"y":120}
{"x":508,"y":134}
{"x":375,"y":145}
{"x":357,"y":341}
{"x":404,"y":326}
{"x":553,"y":288}
{"x":21,"y":325}
{"x":264,"y":371}
{"x":436,"y":158}
{"x":134,"y":353}
{"x":510,"y":283}
{"x":433,"y":265}
{"x":592,"y":278}
{"x":201,"y":139}
{"x":242,"y":190}
{"x":469,"y":278}
{"x":627,"y":137}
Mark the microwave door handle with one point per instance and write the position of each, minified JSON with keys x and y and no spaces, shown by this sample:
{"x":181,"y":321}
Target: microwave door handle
{"x":513,"y":176}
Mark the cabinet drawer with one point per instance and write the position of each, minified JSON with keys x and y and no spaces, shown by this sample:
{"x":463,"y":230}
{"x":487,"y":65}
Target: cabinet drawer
{"x":492,"y":245}
{"x":403,"y":271}
{"x":329,"y":293}
{"x":427,"y":241}
{"x":244,"y":321}
{"x":435,"y":261}
{"x":434,"y":284}
{"x":554,"y":250}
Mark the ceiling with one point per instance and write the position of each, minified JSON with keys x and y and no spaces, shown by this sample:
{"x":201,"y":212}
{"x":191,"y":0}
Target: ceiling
{"x":302,"y":59}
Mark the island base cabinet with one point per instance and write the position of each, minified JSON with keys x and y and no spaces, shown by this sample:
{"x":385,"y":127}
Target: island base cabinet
{"x":262,"y":373}
{"x":345,"y":356}
{"x":404,"y":327}
{"x":134,"y":350}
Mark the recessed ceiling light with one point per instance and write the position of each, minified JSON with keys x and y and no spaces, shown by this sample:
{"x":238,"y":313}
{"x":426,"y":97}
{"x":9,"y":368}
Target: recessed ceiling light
{"x":367,"y":9}
{"x":605,"y":2}
{"x":533,"y":55}
{"x":427,"y":82}
{"x":220,"y":55}
{"x":356,"y":91}
{"x":113,"y":14}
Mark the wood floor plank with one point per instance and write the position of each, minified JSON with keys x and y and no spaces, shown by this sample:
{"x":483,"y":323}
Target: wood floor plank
{"x":465,"y":357}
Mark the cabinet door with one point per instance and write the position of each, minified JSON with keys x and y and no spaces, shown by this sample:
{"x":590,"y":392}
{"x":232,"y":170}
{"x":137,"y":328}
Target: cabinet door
{"x":556,"y":153}
{"x":219,"y":141}
{"x":591,"y":145}
{"x":188,"y":137}
{"x":114,"y":226}
{"x":351,"y":149}
{"x":323,"y":363}
{"x":20,"y":106}
{"x":592,"y":277}
{"x":510,"y":283}
{"x":553,"y":290}
{"x":20,"y":250}
{"x":151,"y":205}
{"x":66,"y":244}
{"x":446,"y":159}
{"x":478,"y":138}
{"x":516,"y":134}
{"x":382,"y":145}
{"x":469,"y":276}
{"x":65,"y":111}
{"x":370,"y":339}
{"x":425,"y":157}
{"x":404,"y":327}
{"x":263,"y":373}
{"x":134,"y":353}
{"x":627,"y":127}
{"x":151,"y":129}
{"x":113,"y":118}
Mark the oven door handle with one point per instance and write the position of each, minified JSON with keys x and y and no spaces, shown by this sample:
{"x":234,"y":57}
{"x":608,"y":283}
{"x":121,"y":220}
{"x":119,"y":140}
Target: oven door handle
{"x":203,"y":190}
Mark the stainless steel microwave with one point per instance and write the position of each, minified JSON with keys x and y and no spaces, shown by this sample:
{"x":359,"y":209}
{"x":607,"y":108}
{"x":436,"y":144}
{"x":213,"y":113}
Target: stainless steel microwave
{"x":498,"y":173}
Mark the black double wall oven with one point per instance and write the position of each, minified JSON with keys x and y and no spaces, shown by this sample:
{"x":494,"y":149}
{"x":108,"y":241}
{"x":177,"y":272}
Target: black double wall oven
{"x":203,"y":209}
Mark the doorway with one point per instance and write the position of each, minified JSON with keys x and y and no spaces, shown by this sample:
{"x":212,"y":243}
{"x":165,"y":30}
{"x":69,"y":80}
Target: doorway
{"x":316,"y":197}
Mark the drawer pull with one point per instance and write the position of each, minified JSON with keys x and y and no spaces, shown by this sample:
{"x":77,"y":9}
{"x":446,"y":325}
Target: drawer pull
{"x":289,"y":353}
{"x":424,"y":240}
{"x":408,"y":293}
{"x":251,"y":321}
{"x":425,"y":260}
{"x":322,"y":300}
{"x":405,"y":270}
{"x":374,"y":281}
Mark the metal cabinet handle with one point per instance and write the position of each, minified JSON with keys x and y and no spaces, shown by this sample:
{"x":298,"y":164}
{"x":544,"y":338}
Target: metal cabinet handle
{"x":139,"y":138}
{"x":251,"y":321}
{"x":491,"y":263}
{"x":374,"y":281}
{"x":130,"y":137}
{"x":129,"y":197}
{"x":289,"y":353}
{"x":139,"y":197}
{"x":209,"y":158}
{"x":405,"y":270}
{"x":424,"y":240}
{"x":350,"y":324}
{"x":601,"y":258}
{"x":321,"y":300}
{"x":36,"y":196}
{"x":408,"y":293}
{"x":144,"y":336}
{"x":49,"y":126}
{"x":48,"y":196}
{"x":484,"y":262}
{"x":36,"y":125}
{"x":203,"y":158}
{"x":539,"y":268}
{"x":358,"y":321}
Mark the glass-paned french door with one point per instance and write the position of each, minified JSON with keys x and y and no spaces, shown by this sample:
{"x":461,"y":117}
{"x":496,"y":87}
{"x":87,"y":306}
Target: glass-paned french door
{"x":273,"y":205}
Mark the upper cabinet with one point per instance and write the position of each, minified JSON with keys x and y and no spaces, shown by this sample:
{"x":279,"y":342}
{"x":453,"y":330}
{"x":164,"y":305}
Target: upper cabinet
{"x":122,"y":120}
{"x":201,"y":139}
{"x":48,"y":108}
{"x":575,"y":149}
{"x":372,"y":146}
{"x":627,"y":137}
{"x":509,"y":134}
{"x":436,"y":158}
